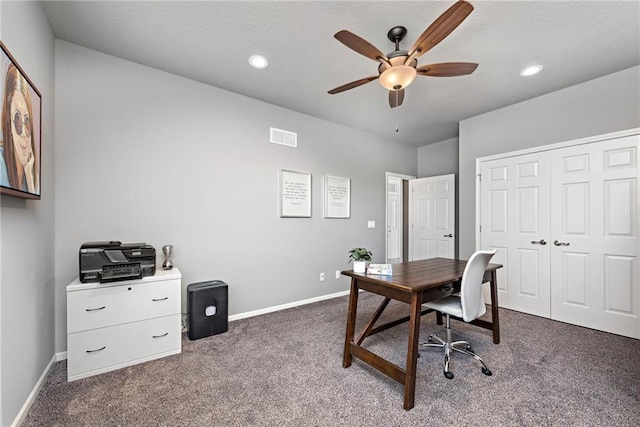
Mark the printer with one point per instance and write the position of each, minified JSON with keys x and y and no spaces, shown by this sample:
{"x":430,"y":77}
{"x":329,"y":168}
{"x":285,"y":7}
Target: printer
{"x":111,"y":261}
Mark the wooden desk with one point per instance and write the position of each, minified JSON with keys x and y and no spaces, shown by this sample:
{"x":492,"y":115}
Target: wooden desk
{"x":413,"y":283}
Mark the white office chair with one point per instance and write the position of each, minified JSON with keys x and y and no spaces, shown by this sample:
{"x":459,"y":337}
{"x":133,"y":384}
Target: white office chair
{"x":468,"y":305}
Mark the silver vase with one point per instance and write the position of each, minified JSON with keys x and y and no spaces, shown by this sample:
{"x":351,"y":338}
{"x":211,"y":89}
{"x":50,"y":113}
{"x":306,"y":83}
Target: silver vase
{"x":167,"y":264}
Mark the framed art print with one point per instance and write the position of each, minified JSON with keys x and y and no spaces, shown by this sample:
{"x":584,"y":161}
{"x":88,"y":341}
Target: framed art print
{"x":337,"y":197}
{"x":295,"y":194}
{"x":20,"y":137}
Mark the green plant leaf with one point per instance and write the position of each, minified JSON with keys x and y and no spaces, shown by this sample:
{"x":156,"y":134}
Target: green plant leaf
{"x":360,"y":254}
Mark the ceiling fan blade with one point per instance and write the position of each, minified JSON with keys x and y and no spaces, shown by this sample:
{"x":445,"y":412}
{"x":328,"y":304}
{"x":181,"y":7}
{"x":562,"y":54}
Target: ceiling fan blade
{"x":396,"y":97}
{"x":447,"y":69}
{"x":360,"y":45}
{"x":440,"y":28}
{"x":352,"y":85}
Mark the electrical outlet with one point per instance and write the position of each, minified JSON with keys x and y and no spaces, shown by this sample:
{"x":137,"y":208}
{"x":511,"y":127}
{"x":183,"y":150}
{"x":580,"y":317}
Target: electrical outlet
{"x":322,"y":276}
{"x":337,"y":274}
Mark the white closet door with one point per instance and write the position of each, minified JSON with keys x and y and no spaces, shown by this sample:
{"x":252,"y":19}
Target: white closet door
{"x":594,"y":234}
{"x":432,"y":209}
{"x":514,"y":219}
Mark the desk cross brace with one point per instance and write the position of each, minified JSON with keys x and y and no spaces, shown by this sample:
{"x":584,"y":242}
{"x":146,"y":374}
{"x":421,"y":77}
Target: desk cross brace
{"x":370,"y":330}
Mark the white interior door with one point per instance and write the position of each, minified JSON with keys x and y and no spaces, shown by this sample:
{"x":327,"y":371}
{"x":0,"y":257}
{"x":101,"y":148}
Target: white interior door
{"x":432,"y":204}
{"x":595,"y":223}
{"x":394,"y":219}
{"x":514,"y":219}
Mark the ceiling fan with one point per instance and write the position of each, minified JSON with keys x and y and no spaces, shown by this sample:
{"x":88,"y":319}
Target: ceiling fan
{"x":399,"y":68}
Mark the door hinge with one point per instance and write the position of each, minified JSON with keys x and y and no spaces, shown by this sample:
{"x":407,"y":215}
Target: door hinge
{"x":479,"y":175}
{"x":481,"y":229}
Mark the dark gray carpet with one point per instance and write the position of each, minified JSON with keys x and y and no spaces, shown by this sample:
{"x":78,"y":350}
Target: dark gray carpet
{"x":285,"y":369}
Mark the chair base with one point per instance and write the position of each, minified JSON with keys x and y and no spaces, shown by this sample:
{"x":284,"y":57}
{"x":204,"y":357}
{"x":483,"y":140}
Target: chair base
{"x":448,"y":345}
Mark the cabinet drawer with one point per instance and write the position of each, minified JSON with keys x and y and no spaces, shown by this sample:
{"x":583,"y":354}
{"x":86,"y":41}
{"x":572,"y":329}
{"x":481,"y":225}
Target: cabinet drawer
{"x":105,"y":349}
{"x":113,"y":305}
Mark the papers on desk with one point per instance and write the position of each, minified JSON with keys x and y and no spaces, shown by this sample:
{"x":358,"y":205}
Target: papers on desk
{"x":380,"y":269}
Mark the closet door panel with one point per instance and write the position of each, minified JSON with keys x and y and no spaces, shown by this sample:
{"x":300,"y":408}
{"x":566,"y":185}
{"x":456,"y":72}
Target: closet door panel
{"x":594,"y":235}
{"x":515,"y":220}
{"x":576,"y":289}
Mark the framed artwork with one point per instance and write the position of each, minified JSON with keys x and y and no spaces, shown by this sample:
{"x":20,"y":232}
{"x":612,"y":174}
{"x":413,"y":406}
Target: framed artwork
{"x":295,"y":194}
{"x":337,"y":197}
{"x":20,"y":136}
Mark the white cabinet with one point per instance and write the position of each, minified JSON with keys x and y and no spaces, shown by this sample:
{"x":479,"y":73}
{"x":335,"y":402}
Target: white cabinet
{"x":118,"y":324}
{"x":565,"y":222}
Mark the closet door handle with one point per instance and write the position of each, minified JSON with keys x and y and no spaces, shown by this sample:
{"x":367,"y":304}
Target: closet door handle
{"x":539,"y":242}
{"x":448,"y":235}
{"x":557,"y":243}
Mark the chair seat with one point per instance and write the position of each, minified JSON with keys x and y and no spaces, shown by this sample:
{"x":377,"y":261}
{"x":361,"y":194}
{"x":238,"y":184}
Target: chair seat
{"x":449,"y":305}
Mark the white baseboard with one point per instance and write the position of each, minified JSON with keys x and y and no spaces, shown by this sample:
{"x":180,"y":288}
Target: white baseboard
{"x":32,"y":396}
{"x":285,"y":306}
{"x":63,"y":354}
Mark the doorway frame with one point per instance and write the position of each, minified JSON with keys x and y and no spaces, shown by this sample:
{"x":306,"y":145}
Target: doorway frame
{"x":405,"y":205}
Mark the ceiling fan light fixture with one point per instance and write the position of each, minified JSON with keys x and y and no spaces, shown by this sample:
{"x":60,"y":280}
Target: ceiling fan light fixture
{"x":530,"y":71}
{"x":397,"y":77}
{"x":258,"y":62}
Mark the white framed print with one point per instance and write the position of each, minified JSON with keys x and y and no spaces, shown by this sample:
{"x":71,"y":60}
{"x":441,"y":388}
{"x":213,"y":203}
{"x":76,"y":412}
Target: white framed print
{"x":337,"y":197}
{"x":295,"y":194}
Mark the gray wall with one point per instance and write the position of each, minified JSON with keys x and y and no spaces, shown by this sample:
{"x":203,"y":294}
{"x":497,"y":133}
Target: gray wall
{"x":27,"y":228}
{"x":147,"y":156}
{"x":440,"y":158}
{"x":607,"y":104}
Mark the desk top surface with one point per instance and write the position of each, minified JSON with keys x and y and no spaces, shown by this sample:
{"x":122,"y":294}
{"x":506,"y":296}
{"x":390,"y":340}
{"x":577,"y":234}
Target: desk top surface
{"x":415,"y":276}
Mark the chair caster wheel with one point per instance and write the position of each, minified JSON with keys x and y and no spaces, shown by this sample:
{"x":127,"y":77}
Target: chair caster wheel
{"x":430,"y":339}
{"x":449,"y":375}
{"x":470,"y":350}
{"x":487,"y":372}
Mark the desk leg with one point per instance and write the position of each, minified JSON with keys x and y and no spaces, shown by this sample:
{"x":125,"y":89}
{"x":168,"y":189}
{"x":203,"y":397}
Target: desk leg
{"x":351,"y":324}
{"x":412,"y":352}
{"x":494,"y":307}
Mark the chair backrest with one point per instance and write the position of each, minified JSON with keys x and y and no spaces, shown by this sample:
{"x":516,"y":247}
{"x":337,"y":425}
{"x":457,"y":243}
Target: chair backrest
{"x":471,"y":287}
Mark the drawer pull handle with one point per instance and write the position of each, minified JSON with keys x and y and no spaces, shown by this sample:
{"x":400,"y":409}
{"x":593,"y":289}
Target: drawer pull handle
{"x":160,"y":299}
{"x":98,"y":349}
{"x":95,"y":309}
{"x":160,"y":336}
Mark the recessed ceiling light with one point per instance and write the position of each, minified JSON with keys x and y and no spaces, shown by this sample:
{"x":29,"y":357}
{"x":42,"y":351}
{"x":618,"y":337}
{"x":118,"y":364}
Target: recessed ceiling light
{"x":258,"y":61}
{"x":530,"y":71}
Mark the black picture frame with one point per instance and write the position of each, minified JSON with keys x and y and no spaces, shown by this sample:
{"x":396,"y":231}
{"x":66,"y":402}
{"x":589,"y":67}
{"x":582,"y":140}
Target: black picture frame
{"x":20,"y":131}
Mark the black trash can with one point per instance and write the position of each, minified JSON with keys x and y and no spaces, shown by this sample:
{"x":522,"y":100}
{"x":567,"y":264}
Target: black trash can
{"x":207,"y":304}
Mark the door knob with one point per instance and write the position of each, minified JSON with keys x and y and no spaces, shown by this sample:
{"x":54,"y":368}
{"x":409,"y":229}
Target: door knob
{"x":557,"y":243}
{"x":448,"y":235}
{"x":539,"y":242}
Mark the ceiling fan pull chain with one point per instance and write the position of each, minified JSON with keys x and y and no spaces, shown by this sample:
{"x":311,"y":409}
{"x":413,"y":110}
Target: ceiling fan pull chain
{"x":396,"y":112}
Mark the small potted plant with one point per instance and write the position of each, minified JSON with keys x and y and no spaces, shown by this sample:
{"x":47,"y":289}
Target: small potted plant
{"x":360,"y":257}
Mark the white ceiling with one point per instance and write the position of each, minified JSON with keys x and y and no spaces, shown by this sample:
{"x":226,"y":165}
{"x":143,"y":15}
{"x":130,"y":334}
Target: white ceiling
{"x":210,"y":41}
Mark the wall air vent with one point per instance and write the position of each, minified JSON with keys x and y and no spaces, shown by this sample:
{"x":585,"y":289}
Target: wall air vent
{"x":283,"y":137}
